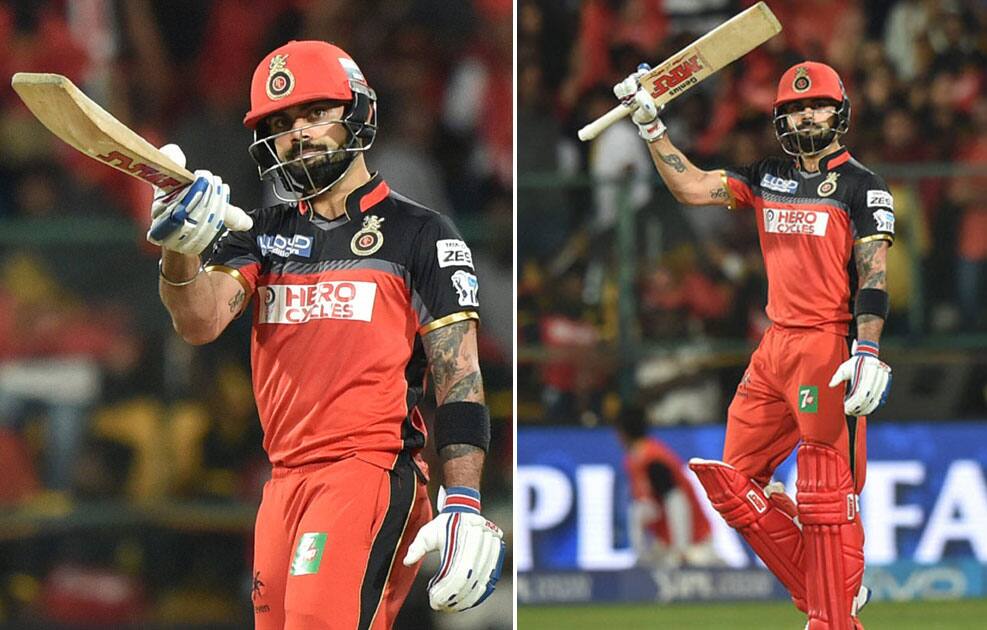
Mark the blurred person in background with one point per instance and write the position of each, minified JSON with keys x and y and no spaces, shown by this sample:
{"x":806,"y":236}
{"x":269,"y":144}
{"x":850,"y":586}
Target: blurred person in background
{"x":820,"y":211}
{"x":359,"y":290}
{"x":666,"y":524}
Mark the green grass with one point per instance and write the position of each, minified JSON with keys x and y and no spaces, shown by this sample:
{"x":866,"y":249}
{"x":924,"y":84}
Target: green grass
{"x":941,"y":615}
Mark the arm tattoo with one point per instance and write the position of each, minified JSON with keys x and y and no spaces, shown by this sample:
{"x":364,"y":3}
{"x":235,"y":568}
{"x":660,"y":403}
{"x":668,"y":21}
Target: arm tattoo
{"x":452,"y":451}
{"x":719,"y":194}
{"x":674,"y":161}
{"x":451,"y":352}
{"x":871,"y":259}
{"x":237,"y":301}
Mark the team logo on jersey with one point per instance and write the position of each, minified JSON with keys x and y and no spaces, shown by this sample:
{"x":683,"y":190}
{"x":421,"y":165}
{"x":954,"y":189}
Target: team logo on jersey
{"x":786,"y":221}
{"x":884,"y":221}
{"x":779,"y":184}
{"x":466,"y":288}
{"x":828,"y":186}
{"x":301,"y":303}
{"x":369,"y":239}
{"x":280,"y":81}
{"x":808,"y":399}
{"x":879,"y":199}
{"x":802,"y":82}
{"x":453,"y":252}
{"x":308,"y":553}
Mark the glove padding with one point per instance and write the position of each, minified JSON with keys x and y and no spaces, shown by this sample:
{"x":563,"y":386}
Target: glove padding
{"x":645,"y":116}
{"x":472,"y":551}
{"x":868,"y":380}
{"x":187,"y":220}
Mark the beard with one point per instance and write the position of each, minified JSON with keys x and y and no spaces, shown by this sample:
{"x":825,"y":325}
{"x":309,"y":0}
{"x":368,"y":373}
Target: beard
{"x":317,"y":171}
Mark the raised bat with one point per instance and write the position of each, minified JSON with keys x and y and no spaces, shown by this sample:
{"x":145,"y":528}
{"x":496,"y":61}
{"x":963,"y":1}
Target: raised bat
{"x":78,"y":120}
{"x":696,"y":62}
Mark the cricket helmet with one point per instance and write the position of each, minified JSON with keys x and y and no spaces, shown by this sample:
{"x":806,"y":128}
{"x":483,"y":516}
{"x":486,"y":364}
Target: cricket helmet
{"x":302,"y":72}
{"x":810,"y":80}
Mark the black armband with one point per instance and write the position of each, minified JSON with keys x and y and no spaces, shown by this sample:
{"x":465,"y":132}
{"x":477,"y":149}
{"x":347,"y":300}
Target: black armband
{"x":462,"y":423}
{"x":872,"y":302}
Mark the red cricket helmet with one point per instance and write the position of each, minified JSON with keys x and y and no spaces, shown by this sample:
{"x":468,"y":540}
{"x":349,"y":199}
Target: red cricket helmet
{"x":302,"y":72}
{"x":805,"y":81}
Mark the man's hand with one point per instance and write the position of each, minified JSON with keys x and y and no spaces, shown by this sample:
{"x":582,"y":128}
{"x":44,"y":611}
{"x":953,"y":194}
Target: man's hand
{"x":472,"y":550}
{"x":869,"y":379}
{"x":187,"y":220}
{"x":645,"y":116}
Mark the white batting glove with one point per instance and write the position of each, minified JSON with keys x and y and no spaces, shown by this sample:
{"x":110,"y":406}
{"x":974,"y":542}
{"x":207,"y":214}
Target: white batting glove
{"x":472,"y":550}
{"x":188,"y":219}
{"x":645,"y":116}
{"x":868,"y":379}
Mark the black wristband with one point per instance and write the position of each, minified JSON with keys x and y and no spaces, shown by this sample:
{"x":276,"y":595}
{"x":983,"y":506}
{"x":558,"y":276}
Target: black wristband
{"x":872,"y":302}
{"x":462,"y":423}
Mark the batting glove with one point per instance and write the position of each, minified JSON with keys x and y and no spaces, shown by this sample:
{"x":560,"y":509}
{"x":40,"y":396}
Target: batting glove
{"x":472,"y":550}
{"x":645,"y":116}
{"x":868,"y":379}
{"x":188,"y":219}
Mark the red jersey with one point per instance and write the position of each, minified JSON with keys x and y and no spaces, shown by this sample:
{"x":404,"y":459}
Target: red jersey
{"x":336,"y":350}
{"x":808,"y":224}
{"x":640,"y":463}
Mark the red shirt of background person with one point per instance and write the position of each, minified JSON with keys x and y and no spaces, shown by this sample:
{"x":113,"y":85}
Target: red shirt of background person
{"x":666,"y":524}
{"x":824,"y":224}
{"x":360,"y":291}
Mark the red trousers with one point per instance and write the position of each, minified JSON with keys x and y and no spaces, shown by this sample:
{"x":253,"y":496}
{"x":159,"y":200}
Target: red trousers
{"x":328,"y":545}
{"x":785,"y":396}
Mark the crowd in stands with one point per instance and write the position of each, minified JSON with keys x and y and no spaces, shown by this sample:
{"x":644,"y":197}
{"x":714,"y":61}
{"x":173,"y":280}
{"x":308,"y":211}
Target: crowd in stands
{"x":99,"y":401}
{"x":914,"y":71}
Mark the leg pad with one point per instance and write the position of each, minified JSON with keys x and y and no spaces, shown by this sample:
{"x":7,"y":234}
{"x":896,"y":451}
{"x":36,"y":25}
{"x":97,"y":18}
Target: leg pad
{"x":767,"y":522}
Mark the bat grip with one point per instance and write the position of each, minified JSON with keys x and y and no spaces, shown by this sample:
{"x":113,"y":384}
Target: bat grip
{"x":596,"y":127}
{"x":163,"y":228}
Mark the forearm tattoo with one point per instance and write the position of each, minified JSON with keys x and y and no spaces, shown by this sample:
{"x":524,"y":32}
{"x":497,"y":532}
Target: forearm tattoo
{"x":237,"y":301}
{"x":674,"y":161}
{"x":452,"y":451}
{"x":871,"y":259}
{"x":719,"y":194}
{"x":451,"y":352}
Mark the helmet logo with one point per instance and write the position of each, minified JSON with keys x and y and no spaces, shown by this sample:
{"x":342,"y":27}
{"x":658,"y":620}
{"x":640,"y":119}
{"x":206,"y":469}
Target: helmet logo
{"x":802,"y":82}
{"x":280,"y":81}
{"x":827,"y":187}
{"x":369,"y":239}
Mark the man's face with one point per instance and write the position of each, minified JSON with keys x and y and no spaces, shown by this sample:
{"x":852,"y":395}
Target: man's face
{"x":312,"y":130}
{"x":811,"y":117}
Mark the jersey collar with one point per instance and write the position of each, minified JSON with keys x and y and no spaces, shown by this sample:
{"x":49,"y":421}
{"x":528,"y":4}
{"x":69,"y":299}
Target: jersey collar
{"x":361,"y":199}
{"x":367,"y":196}
{"x":831,"y":161}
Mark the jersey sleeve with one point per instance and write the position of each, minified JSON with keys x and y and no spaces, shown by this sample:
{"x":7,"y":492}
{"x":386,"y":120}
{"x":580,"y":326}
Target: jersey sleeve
{"x":237,"y":254}
{"x":872,"y":212}
{"x":444,"y":287}
{"x":739,"y":182}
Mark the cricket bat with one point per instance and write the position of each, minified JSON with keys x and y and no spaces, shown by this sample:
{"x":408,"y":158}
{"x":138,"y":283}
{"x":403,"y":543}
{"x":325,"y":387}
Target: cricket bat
{"x":696,"y":62}
{"x":78,"y":120}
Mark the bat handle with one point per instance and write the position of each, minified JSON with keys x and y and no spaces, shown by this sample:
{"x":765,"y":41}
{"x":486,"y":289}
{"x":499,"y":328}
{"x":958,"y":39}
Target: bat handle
{"x":596,"y":127}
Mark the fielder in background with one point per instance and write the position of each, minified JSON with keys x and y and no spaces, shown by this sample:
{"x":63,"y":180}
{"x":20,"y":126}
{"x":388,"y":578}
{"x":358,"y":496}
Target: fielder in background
{"x":359,"y":290}
{"x":825,"y":223}
{"x":666,"y":524}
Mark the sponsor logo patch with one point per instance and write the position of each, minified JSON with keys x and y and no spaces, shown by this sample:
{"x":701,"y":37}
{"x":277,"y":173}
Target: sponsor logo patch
{"x":352,"y":70}
{"x":453,"y":252}
{"x":782,"y":221}
{"x":308,"y":554}
{"x":756,"y":500}
{"x":466,"y":288}
{"x":678,"y":75}
{"x":779,"y":184}
{"x":300,"y":303}
{"x":879,"y":199}
{"x":884,"y":220}
{"x":279,"y":245}
{"x":808,"y":398}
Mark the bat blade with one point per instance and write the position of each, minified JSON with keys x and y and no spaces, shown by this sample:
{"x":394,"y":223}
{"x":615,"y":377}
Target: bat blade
{"x":696,"y":62}
{"x":75,"y":118}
